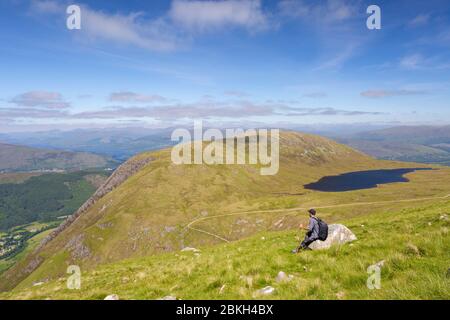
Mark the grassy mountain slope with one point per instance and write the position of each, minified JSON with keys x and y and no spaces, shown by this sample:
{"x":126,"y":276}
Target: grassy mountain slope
{"x":15,"y":158}
{"x":149,"y":212}
{"x":413,"y":243}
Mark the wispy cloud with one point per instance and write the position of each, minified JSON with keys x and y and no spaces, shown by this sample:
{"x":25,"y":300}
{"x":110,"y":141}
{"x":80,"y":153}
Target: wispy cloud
{"x":419,"y":20}
{"x":326,"y":111}
{"x":236,"y":93}
{"x":120,"y":28}
{"x":133,"y":97}
{"x":334,"y":23}
{"x":201,"y":16}
{"x":204,"y":109}
{"x":411,"y":61}
{"x":390,"y":93}
{"x":315,"y":95}
{"x":325,"y":12}
{"x":40,"y":99}
{"x":168,"y":32}
{"x":418,"y":62}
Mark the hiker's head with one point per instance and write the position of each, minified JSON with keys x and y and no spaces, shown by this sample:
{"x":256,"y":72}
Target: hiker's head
{"x":312,"y":212}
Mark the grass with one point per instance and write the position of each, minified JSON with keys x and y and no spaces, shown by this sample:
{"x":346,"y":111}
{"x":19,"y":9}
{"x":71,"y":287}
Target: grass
{"x":414,"y":243}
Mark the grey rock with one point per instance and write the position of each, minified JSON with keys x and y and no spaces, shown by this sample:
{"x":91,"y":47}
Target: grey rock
{"x":283,"y":277}
{"x":112,"y":297}
{"x":266,"y":291}
{"x":190,"y":249}
{"x":168,"y":298}
{"x":337,"y":234}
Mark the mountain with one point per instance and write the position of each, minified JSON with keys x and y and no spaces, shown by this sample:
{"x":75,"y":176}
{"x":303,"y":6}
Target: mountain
{"x":151,"y":206}
{"x":427,"y":144}
{"x":14,"y":158}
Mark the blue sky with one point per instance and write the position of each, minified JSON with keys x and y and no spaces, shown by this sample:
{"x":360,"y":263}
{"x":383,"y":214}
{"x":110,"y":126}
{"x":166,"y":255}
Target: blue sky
{"x":249,"y":62}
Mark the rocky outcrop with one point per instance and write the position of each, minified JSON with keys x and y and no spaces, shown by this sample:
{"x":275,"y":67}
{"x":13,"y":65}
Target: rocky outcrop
{"x":122,"y":173}
{"x":337,"y":234}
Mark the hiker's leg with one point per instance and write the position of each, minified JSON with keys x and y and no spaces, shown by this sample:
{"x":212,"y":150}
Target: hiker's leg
{"x":308,"y":240}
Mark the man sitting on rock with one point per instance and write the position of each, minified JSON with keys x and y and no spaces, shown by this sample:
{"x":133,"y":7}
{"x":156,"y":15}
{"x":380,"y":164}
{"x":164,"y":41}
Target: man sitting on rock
{"x":312,"y":234}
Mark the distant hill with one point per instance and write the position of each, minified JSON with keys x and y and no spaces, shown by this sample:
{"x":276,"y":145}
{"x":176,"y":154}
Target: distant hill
{"x":117,"y":143}
{"x":146,"y":205}
{"x":428,"y":144}
{"x":14,"y":158}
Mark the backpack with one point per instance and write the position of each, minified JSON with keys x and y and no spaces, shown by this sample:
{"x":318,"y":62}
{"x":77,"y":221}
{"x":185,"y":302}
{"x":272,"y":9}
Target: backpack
{"x":323,"y":230}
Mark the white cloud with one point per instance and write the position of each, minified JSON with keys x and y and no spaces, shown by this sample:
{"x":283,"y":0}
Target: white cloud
{"x":420,"y":20}
{"x":390,"y":93}
{"x":46,"y":6}
{"x":236,"y":93}
{"x":200,"y":16}
{"x":411,"y":61}
{"x":127,"y":96}
{"x":130,"y":29}
{"x":40,"y":99}
{"x":323,"y":12}
{"x":419,"y":62}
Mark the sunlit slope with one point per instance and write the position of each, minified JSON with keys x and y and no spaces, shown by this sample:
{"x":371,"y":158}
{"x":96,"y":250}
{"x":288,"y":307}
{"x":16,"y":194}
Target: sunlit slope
{"x":412,"y":245}
{"x":149,"y":212}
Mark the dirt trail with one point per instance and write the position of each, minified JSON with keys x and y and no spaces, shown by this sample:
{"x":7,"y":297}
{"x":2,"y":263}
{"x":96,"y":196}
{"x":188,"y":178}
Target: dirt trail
{"x":190,"y":225}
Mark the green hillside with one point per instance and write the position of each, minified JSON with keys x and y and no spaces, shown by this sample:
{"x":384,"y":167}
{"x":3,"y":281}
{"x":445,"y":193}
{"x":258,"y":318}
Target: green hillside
{"x":413,"y":243}
{"x":164,"y":207}
{"x":15,"y":158}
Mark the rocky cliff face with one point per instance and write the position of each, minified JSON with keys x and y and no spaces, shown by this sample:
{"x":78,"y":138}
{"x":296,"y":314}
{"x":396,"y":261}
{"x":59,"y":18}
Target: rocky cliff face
{"x":122,"y":173}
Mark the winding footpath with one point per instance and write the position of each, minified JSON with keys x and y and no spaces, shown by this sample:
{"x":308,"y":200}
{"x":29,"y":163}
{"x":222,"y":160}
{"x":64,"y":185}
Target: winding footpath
{"x":190,"y":225}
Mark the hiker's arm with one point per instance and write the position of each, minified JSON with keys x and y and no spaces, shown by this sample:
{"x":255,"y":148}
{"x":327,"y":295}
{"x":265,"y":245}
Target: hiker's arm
{"x":301,"y":226}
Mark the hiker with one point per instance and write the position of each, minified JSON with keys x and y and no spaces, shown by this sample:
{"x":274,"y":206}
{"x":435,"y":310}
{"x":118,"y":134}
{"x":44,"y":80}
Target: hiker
{"x":317,"y":230}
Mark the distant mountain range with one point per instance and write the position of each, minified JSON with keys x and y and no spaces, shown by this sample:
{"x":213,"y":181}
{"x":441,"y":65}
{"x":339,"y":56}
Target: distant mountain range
{"x":428,"y":144}
{"x":14,"y":158}
{"x":117,"y":143}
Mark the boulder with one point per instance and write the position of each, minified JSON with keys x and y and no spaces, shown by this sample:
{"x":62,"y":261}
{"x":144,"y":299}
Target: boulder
{"x":112,"y":297}
{"x":337,"y":234}
{"x":186,"y":249}
{"x":36,"y":284}
{"x":283,"y":277}
{"x":266,"y":290}
{"x":168,"y":298}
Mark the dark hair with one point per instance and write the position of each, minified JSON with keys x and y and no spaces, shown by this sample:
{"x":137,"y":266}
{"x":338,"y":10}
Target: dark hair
{"x":312,"y":211}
